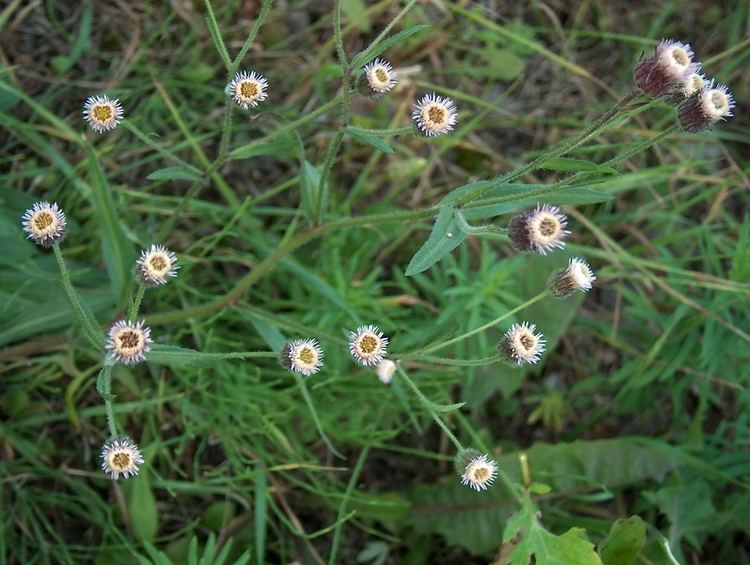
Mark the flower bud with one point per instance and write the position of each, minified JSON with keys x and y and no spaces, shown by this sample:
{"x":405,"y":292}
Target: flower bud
{"x":576,"y":276}
{"x":705,"y":107}
{"x":668,"y":66}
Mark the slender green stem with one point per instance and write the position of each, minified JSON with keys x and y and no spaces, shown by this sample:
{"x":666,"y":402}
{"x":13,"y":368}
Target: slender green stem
{"x":314,"y":413}
{"x":427,"y":404}
{"x":226,"y":131}
{"x":477,"y":230}
{"x":104,"y":386}
{"x":239,"y":355}
{"x":567,"y":146}
{"x":454,"y":362}
{"x":132,"y":128}
{"x":237,"y":153}
{"x":90,"y":328}
{"x":135,"y":303}
{"x":262,"y":15}
{"x":637,"y":148}
{"x":195,"y":188}
{"x":342,"y":508}
{"x":344,"y":117}
{"x":488,"y":325}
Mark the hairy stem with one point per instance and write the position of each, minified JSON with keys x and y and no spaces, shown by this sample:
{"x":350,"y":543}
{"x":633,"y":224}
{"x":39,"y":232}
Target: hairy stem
{"x":427,"y":404}
{"x":567,"y":146}
{"x":488,"y":325}
{"x":135,"y":304}
{"x":92,"y":331}
{"x":344,"y":116}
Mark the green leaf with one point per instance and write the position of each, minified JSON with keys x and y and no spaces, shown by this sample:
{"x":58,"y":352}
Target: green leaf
{"x":175,"y":173}
{"x":502,"y":64}
{"x":444,"y":238}
{"x":475,"y":521}
{"x":260,"y":511}
{"x":463,"y":517}
{"x":532,"y":540}
{"x":356,"y":14}
{"x":364,"y":57}
{"x":515,"y":200}
{"x":624,"y":542}
{"x":371,"y":140}
{"x":117,"y":251}
{"x":213,"y":29}
{"x":606,"y":463}
{"x":282,"y":145}
{"x":180,"y":356}
{"x":565,"y":164}
{"x":309,"y":182}
{"x":144,"y":518}
{"x":63,"y":63}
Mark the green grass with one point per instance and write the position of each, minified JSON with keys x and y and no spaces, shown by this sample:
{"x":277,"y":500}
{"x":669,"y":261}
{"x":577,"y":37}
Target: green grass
{"x":639,"y":406}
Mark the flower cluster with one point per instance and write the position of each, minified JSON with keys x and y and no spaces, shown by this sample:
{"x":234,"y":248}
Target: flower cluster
{"x":672,"y":72}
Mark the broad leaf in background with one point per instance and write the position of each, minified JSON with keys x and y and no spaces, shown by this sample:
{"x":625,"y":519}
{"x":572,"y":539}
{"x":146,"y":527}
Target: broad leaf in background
{"x":476,"y":521}
{"x":533,"y":541}
{"x":144,"y":517}
{"x":598,"y":464}
{"x":465,"y":518}
{"x":624,"y":542}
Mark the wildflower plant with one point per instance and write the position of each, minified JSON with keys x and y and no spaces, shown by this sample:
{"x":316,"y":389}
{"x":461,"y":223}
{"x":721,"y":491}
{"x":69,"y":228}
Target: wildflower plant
{"x":518,"y":219}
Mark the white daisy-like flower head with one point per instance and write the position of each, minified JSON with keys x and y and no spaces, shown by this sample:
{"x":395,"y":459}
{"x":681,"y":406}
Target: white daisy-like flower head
{"x":156,"y":265}
{"x":693,"y":83}
{"x":385,"y":370}
{"x":434,"y":115}
{"x":129,"y":342}
{"x":368,"y":345}
{"x":381,"y":77}
{"x":717,"y":102}
{"x":44,"y":223}
{"x":541,"y":230}
{"x":675,"y":58}
{"x":479,"y":473}
{"x":304,"y":356}
{"x":576,"y":276}
{"x":102,"y":113}
{"x":247,"y":89}
{"x":665,"y":70}
{"x":120,"y":456}
{"x":521,"y":344}
{"x":702,"y":110}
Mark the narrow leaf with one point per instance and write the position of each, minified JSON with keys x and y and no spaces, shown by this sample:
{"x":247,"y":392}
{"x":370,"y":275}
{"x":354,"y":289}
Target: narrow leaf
{"x":371,"y":140}
{"x":444,"y":238}
{"x":364,"y":57}
{"x":175,"y":173}
{"x":118,"y":253}
{"x":572,"y":196}
{"x":566,"y":164}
